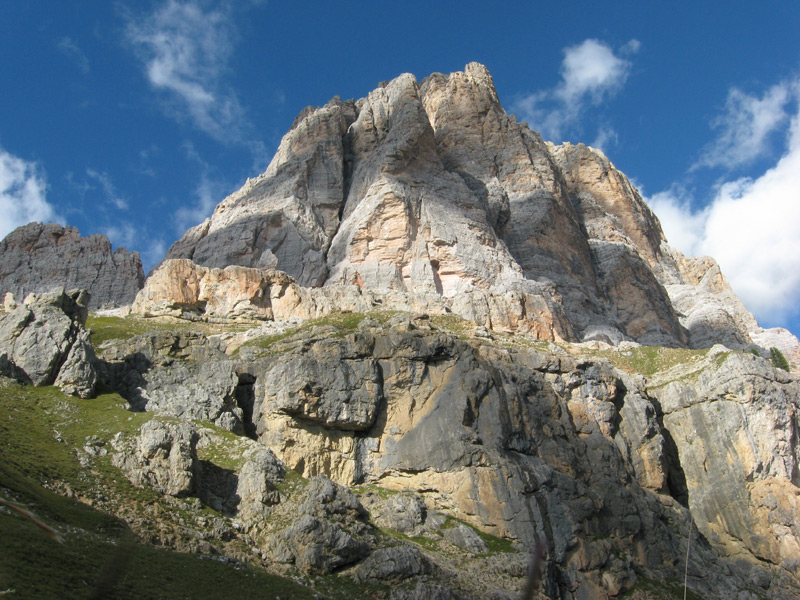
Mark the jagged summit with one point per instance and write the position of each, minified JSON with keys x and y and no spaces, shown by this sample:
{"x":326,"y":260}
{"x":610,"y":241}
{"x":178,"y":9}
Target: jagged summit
{"x":36,"y":258}
{"x":431,"y":188}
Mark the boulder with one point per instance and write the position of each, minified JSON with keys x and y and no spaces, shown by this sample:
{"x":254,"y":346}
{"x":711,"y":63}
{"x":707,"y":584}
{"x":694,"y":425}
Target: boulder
{"x":163,"y":457}
{"x":465,"y":537}
{"x":257,"y":479}
{"x":392,"y":565}
{"x":328,"y":533}
{"x":43,"y":342}
{"x":404,"y":512}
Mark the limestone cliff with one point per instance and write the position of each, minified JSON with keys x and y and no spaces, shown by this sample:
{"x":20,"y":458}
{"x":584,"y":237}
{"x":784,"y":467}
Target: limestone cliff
{"x":431,"y":188}
{"x":452,"y":440}
{"x":37,"y":258}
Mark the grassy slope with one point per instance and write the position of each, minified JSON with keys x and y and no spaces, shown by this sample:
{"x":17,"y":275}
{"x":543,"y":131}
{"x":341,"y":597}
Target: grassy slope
{"x":96,"y":546}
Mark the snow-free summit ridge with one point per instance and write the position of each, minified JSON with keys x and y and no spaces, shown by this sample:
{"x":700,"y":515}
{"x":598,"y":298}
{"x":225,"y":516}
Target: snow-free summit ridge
{"x":432,"y":189}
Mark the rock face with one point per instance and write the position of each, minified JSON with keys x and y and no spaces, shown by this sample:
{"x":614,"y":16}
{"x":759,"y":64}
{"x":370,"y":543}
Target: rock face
{"x":164,"y":458}
{"x":736,"y":426}
{"x":431,"y":189}
{"x":185,"y":375}
{"x":419,"y":455}
{"x":43,"y":342}
{"x":459,"y":441}
{"x":37,"y":258}
{"x":328,"y":534}
{"x":180,"y":288}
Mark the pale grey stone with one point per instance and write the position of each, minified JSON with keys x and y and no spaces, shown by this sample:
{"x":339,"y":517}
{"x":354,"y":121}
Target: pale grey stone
{"x":392,"y":564}
{"x":37,"y":258}
{"x":43,"y":342}
{"x":466,"y":538}
{"x":181,"y":374}
{"x":164,"y":458}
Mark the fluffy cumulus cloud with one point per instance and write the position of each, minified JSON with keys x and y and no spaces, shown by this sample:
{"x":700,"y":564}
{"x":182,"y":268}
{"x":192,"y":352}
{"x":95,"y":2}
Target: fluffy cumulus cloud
{"x":23,"y":194}
{"x":752,"y":227}
{"x":185,"y":51}
{"x":683,"y":226}
{"x":745,"y":127}
{"x":591,"y":73}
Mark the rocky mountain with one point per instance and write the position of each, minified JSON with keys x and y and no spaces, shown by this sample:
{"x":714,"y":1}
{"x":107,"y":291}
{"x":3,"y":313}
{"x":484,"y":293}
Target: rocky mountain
{"x":425,"y":355}
{"x":432,"y":189}
{"x":35,"y":258}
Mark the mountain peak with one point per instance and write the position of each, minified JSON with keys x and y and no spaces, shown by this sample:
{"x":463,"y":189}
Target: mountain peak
{"x":432,"y":188}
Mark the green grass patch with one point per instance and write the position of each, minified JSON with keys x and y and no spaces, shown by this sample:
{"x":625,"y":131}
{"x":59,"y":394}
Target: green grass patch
{"x":106,"y":328}
{"x":720,"y":358}
{"x":381,"y":492}
{"x":266,"y":341}
{"x":649,"y":360}
{"x":660,"y":590}
{"x":41,"y":430}
{"x":496,"y":545}
{"x":461,"y":328}
{"x":222,"y":447}
{"x":292,"y":483}
{"x":342,"y":323}
{"x":339,"y":586}
{"x":106,"y":562}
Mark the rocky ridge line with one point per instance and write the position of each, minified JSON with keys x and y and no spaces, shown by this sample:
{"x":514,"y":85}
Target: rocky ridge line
{"x":36,"y":258}
{"x":431,"y":188}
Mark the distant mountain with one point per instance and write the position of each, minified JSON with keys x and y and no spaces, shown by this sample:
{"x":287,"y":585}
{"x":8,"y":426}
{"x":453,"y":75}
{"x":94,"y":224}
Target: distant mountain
{"x":36,"y":258}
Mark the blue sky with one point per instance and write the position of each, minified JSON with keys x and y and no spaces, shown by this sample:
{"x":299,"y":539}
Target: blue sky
{"x":136,"y":119}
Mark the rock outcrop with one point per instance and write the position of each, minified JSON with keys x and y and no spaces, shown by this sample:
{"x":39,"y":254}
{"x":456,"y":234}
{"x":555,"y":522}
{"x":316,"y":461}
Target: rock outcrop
{"x":431,"y":189}
{"x":180,"y":288}
{"x":453,"y":440}
{"x":164,"y":458}
{"x":185,"y":375}
{"x":736,"y":425}
{"x":43,"y":342}
{"x":36,"y":258}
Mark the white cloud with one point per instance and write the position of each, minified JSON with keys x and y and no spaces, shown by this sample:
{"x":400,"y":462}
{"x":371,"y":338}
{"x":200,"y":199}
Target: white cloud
{"x":75,"y":54}
{"x":186,"y":51}
{"x":745,"y":127}
{"x":752,"y":228}
{"x":606,"y":139}
{"x":683,"y":226}
{"x":208,"y":194}
{"x":23,"y":192}
{"x":591,"y":68}
{"x":591,"y":72}
{"x":109,"y":189}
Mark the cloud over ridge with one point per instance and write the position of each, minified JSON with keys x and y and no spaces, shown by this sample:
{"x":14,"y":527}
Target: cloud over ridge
{"x":23,"y":194}
{"x":591,"y":72}
{"x":751,"y":226}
